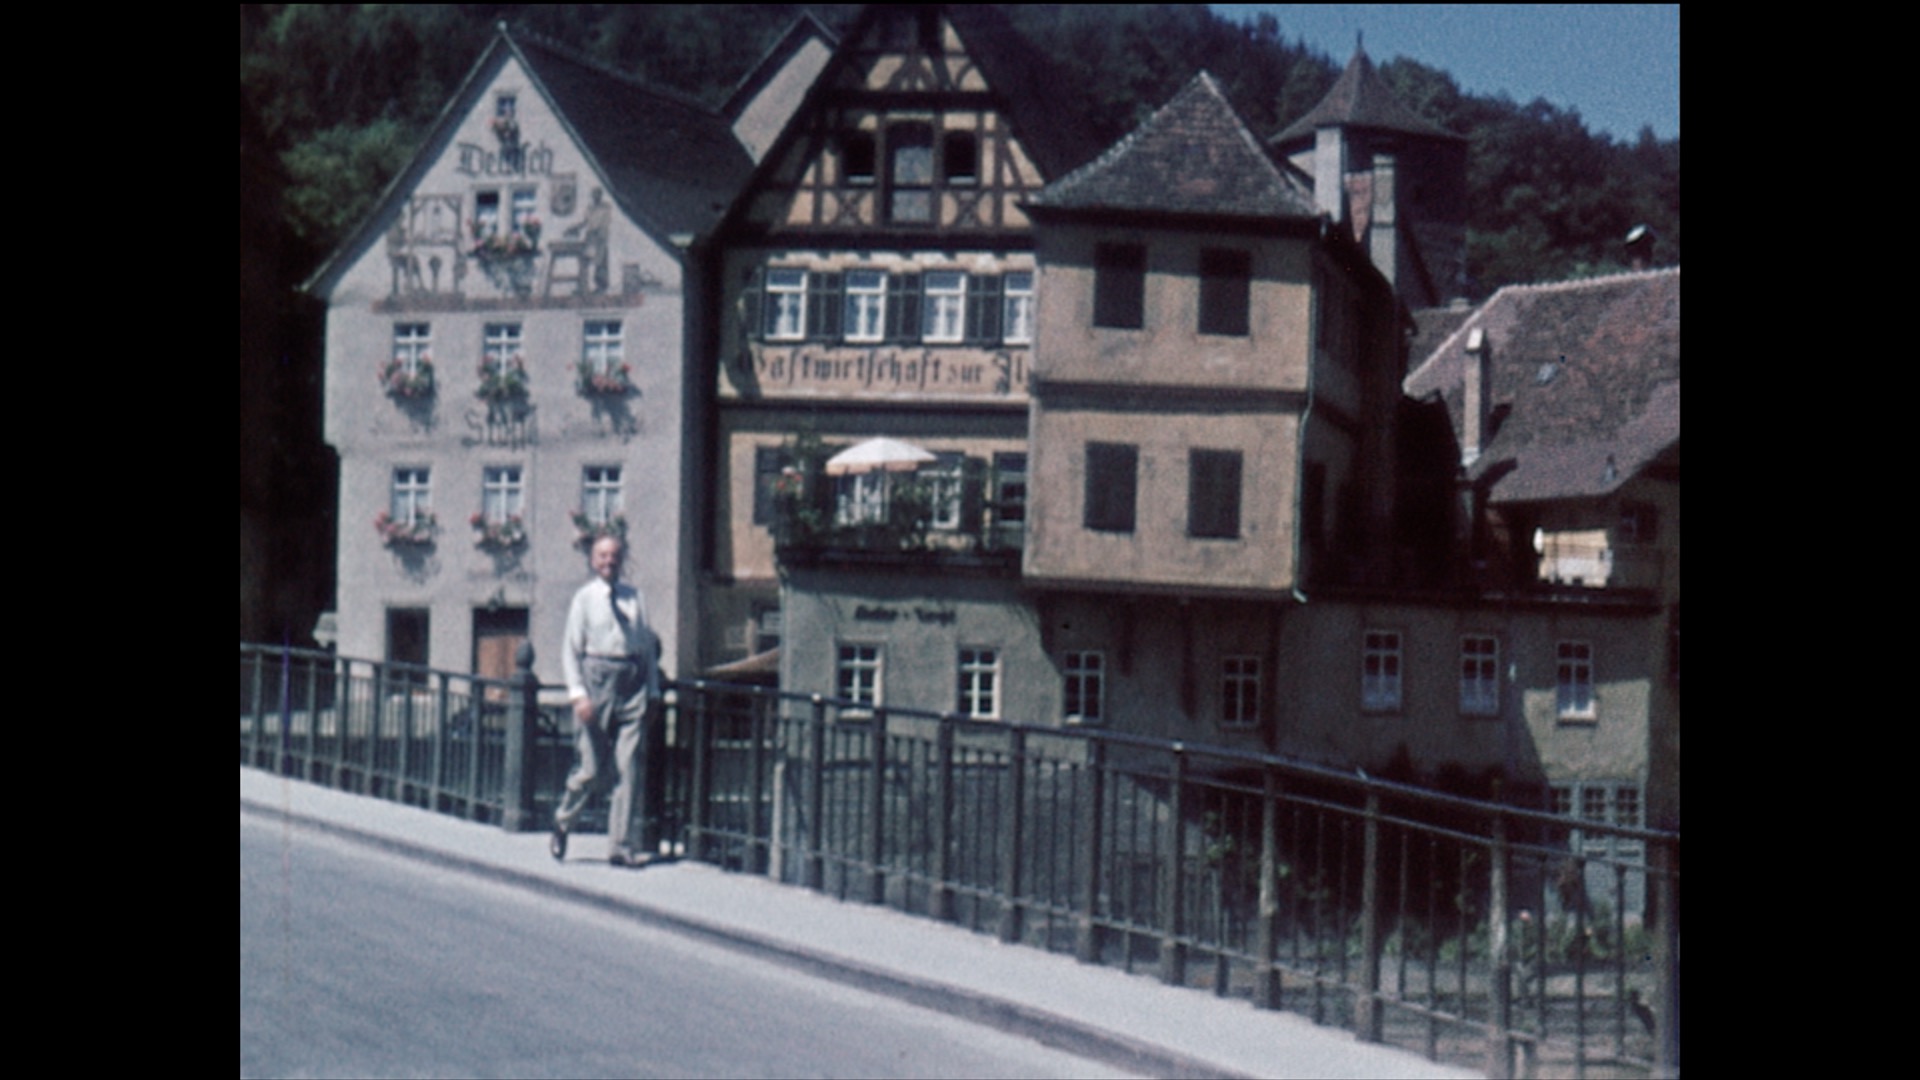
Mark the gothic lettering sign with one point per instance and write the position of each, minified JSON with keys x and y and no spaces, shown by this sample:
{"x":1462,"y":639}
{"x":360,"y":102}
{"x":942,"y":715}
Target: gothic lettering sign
{"x":890,"y":371}
{"x":477,"y":160}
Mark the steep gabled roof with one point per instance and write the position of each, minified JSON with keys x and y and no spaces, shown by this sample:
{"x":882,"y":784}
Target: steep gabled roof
{"x":673,"y":163}
{"x":1361,"y":98}
{"x":1588,"y":373}
{"x":803,"y":29}
{"x":670,"y":163}
{"x":1030,"y":84}
{"x":1192,"y":156}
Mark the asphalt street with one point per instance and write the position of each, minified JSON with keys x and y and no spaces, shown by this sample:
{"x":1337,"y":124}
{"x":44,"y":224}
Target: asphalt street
{"x":354,"y":962}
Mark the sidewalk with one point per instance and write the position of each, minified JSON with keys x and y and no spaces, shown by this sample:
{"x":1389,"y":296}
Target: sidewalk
{"x":1130,"y":1021}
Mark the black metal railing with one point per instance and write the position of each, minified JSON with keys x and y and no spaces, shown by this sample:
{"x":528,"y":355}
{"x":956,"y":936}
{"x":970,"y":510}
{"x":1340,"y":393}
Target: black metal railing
{"x":1511,"y":940}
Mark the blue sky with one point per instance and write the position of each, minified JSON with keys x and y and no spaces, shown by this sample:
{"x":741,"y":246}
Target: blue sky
{"x":1617,"y":65}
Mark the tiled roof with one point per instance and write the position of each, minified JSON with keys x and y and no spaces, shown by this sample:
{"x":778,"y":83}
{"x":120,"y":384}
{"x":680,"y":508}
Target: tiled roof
{"x":673,"y":162}
{"x":1361,"y":98}
{"x":1588,"y":373}
{"x":1193,"y":156}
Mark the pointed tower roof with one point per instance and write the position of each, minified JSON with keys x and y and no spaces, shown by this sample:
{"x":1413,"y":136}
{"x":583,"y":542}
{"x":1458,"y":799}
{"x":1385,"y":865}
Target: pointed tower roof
{"x":1361,"y":98}
{"x":1193,"y":156}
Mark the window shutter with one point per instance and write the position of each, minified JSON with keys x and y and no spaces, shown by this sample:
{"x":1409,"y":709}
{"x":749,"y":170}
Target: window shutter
{"x":823,"y":307}
{"x":751,"y":328}
{"x":983,"y":309}
{"x":903,"y":307}
{"x":973,"y":486}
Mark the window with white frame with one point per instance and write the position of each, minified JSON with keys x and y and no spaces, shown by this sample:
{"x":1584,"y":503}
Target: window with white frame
{"x":979,"y":683}
{"x":1017,"y":327}
{"x":945,"y":479}
{"x":500,"y":348}
{"x":1626,"y":806}
{"x":786,"y":303}
{"x":1380,"y":671}
{"x":412,"y":502}
{"x":600,"y":497}
{"x":1593,"y":803}
{"x":861,"y":498}
{"x":1479,"y":675}
{"x":857,"y":677}
{"x":412,"y":346}
{"x":945,"y":297}
{"x":502,"y":497}
{"x":603,"y":346}
{"x":1240,"y":691}
{"x":524,"y":208}
{"x":1573,"y":680}
{"x":866,"y":315}
{"x":1083,"y":697}
{"x":486,"y":214}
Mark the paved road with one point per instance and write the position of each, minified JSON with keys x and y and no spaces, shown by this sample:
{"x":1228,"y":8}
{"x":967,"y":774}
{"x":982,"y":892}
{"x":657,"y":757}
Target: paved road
{"x":354,"y":962}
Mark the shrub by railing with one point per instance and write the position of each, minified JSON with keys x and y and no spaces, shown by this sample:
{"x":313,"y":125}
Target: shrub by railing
{"x":1475,"y":932}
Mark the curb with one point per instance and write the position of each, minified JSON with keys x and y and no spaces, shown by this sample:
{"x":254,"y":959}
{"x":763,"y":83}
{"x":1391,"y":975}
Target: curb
{"x":1049,"y":1029}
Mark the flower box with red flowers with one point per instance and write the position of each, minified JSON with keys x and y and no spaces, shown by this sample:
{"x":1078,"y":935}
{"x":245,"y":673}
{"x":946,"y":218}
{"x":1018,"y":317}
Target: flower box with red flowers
{"x":396,"y":533}
{"x":592,"y":379}
{"x":510,"y":532}
{"x":401,"y":382}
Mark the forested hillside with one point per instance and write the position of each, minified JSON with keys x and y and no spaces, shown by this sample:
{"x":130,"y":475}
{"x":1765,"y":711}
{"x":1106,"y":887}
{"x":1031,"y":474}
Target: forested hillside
{"x":343,"y":93}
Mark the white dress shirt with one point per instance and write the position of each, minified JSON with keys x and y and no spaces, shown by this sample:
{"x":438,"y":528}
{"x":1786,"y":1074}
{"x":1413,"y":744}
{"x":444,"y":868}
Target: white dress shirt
{"x":592,"y":630}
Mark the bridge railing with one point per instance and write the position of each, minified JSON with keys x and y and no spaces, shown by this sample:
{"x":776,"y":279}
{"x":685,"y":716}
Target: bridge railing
{"x":1480,"y":933}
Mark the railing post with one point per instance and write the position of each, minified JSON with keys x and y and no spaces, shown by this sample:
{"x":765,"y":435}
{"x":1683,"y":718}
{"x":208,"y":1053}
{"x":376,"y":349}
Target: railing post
{"x":1267,"y":985}
{"x":877,"y":809}
{"x":1500,"y":1045}
{"x":517,"y":771}
{"x":1086,"y":944}
{"x":1666,"y":993}
{"x":940,"y":902}
{"x":259,"y":705}
{"x":1173,"y":951}
{"x":476,"y":710}
{"x":1014,"y":814}
{"x":1368,"y":1016}
{"x":812,"y":830}
{"x":759,"y":840}
{"x":700,"y":789}
{"x":286,"y":718}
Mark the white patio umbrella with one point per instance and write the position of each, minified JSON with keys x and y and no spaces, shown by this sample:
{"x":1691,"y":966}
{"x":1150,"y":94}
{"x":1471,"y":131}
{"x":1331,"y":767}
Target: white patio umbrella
{"x":877,"y":455}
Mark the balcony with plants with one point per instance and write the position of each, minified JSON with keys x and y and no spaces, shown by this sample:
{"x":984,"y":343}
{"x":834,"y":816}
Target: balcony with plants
{"x":902,"y":510}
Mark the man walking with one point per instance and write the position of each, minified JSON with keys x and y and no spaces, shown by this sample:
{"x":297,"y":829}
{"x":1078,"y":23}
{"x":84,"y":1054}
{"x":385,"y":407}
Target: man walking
{"x":611,"y":658}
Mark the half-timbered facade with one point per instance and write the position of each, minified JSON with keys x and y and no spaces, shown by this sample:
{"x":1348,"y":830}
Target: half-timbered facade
{"x":878,"y":280}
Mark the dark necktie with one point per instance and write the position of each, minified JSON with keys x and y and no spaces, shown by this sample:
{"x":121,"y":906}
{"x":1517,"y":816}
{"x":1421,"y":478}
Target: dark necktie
{"x":613,"y":598}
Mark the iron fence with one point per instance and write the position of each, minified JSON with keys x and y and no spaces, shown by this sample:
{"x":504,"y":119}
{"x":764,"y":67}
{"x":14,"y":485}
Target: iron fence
{"x":1478,"y":933}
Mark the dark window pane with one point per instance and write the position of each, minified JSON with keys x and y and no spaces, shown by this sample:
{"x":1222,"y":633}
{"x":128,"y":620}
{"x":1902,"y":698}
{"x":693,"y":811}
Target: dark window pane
{"x":1120,"y":286}
{"x":1225,"y":281}
{"x":1112,"y":472}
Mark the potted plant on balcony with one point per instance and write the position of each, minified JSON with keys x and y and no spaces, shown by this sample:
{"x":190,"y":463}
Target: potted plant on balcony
{"x":592,"y":380}
{"x":587,"y":530}
{"x":509,"y":532}
{"x":506,"y":255}
{"x":502,"y":381}
{"x":404,"y":385}
{"x":396,"y":533}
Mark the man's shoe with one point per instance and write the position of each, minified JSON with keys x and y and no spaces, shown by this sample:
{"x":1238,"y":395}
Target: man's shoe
{"x":557,"y":843}
{"x":631,"y":859}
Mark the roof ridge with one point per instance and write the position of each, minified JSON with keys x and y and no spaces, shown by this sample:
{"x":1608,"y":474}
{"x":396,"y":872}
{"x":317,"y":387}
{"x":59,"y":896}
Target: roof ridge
{"x":573,"y":56}
{"x":1570,"y":284}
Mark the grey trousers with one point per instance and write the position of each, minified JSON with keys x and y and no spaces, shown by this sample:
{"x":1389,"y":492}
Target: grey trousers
{"x":613,"y":741}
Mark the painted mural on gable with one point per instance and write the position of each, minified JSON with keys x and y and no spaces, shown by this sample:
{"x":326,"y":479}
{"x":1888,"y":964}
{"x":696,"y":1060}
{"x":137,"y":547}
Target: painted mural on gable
{"x":502,"y":220}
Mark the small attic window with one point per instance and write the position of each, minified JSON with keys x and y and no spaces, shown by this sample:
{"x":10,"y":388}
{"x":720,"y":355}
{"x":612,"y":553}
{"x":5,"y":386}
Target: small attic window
{"x":505,"y":106}
{"x":960,"y":152}
{"x":857,"y":157}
